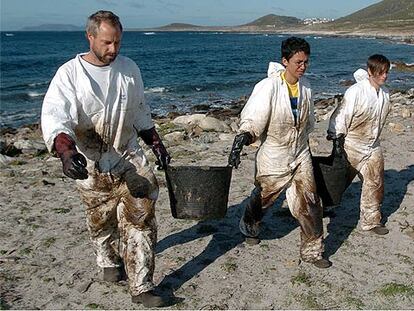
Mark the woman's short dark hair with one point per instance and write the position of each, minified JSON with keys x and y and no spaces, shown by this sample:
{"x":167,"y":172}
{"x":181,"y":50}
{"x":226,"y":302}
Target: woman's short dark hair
{"x":293,"y":45}
{"x":378,"y":64}
{"x":95,"y":20}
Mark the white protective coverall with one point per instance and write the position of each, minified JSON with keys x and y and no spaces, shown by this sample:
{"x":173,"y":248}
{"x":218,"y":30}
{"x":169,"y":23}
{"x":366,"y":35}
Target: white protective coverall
{"x":360,"y":117}
{"x":283,"y":160}
{"x":121,"y":189}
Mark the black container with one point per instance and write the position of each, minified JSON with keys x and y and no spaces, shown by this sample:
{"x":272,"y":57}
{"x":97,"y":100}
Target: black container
{"x":198,"y":192}
{"x":331,"y":174}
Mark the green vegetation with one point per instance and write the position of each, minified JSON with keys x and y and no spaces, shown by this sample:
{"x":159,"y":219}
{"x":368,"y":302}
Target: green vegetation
{"x":264,"y":247}
{"x":301,"y":278}
{"x":387,"y":14}
{"x":229,"y":266}
{"x":355,"y":303}
{"x":25,"y":251}
{"x":309,"y":301}
{"x":18,"y":162}
{"x":49,"y":241}
{"x":273,"y":20}
{"x":4,"y":305}
{"x":93,"y":306}
{"x":393,"y":289}
{"x":61,"y":210}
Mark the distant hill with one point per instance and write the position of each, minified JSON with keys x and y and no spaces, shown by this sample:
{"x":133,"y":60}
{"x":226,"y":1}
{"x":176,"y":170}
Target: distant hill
{"x":53,"y":27}
{"x":387,"y":15}
{"x":383,"y":18}
{"x":269,"y":22}
{"x":178,"y":26}
{"x":275,"y":21}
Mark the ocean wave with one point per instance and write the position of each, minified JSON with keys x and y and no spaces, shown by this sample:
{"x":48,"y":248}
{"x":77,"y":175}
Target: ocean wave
{"x":156,"y":89}
{"x":149,"y":33}
{"x":18,"y":118}
{"x":23,"y":86}
{"x":38,"y":83}
{"x":35,"y":94}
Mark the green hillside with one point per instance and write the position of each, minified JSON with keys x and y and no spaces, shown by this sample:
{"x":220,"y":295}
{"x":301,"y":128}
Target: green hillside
{"x":387,"y":15}
{"x":178,"y":26}
{"x":273,"y":20}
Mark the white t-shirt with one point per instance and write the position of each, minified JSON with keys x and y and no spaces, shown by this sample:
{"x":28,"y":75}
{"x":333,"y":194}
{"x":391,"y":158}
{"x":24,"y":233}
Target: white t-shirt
{"x":99,"y":76}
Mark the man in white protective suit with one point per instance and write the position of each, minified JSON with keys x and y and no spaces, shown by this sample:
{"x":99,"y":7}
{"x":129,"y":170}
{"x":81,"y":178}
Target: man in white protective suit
{"x":357,"y":123}
{"x":280,"y":114}
{"x":92,"y":116}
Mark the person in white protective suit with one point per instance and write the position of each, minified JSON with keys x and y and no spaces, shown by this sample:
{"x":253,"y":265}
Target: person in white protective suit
{"x":92,"y":116}
{"x":280,"y":114}
{"x":357,"y":123}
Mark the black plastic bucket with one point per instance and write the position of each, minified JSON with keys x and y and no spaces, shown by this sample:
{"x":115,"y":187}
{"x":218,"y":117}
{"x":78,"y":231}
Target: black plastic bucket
{"x":198,"y":192}
{"x":331,"y":174}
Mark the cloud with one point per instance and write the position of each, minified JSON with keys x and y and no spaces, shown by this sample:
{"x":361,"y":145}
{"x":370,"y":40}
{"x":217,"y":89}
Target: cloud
{"x":278,"y":10}
{"x":107,"y":2}
{"x":136,"y":5}
{"x":170,"y":7}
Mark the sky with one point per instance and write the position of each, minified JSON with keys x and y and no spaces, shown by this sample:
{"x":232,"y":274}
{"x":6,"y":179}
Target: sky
{"x":16,"y":14}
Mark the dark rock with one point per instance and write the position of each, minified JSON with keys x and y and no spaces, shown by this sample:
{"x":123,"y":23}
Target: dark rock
{"x":401,"y":66}
{"x":200,"y":108}
{"x":10,"y":150}
{"x":346,"y":82}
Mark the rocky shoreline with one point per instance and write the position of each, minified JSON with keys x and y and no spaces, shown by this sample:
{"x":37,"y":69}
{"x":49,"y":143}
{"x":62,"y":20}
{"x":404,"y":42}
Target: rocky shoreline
{"x":46,"y":260}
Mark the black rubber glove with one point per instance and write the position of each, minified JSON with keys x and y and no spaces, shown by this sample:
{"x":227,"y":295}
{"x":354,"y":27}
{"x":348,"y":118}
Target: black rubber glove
{"x":151,"y":138}
{"x":338,"y":143}
{"x":243,"y":139}
{"x":74,"y":163}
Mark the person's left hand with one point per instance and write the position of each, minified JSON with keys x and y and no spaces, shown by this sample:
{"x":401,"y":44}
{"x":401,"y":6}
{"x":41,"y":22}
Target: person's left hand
{"x":151,"y":138}
{"x":163,"y":157}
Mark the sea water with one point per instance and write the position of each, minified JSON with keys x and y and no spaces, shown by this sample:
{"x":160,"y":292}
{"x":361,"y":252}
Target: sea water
{"x":184,"y":69}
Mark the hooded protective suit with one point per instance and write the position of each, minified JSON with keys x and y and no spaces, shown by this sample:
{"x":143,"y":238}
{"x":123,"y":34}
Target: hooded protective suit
{"x":283,"y":160}
{"x":361,"y":117}
{"x":121,"y":189}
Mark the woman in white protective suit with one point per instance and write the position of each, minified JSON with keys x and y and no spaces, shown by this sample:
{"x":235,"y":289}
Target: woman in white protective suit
{"x":92,"y":115}
{"x":280,"y":114}
{"x":357,"y":123}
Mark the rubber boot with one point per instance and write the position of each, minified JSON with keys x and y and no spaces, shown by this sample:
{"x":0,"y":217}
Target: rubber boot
{"x":149,"y":299}
{"x":322,"y":263}
{"x":380,"y":230}
{"x":113,"y":274}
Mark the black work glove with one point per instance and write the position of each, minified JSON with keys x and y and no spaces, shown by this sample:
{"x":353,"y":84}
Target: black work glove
{"x":339,"y":144}
{"x":243,"y":139}
{"x":74,"y":163}
{"x":151,"y":138}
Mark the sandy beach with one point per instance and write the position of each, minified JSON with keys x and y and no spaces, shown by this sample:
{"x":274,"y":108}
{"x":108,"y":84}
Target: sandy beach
{"x":47,"y":262}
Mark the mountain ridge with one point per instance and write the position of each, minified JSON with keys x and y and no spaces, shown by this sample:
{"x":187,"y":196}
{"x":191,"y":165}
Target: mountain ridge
{"x":387,"y":17}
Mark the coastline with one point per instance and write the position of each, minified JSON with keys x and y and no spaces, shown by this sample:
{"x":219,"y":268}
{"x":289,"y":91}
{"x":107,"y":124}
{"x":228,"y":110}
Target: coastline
{"x":404,"y":36}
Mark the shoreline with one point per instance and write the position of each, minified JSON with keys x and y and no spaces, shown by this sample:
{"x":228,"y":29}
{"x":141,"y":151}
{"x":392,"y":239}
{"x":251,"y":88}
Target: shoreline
{"x":231,"y":108}
{"x":403,"y":36}
{"x":399,"y":36}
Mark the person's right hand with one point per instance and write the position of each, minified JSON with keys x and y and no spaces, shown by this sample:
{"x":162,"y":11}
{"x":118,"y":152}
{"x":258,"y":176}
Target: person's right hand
{"x":339,"y":144}
{"x":74,"y":163}
{"x":238,"y":143}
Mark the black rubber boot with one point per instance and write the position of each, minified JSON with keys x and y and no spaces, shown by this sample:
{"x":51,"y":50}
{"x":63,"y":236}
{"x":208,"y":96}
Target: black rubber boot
{"x":150,"y":299}
{"x":251,"y":241}
{"x":322,"y":263}
{"x":380,"y":230}
{"x":113,"y":274}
